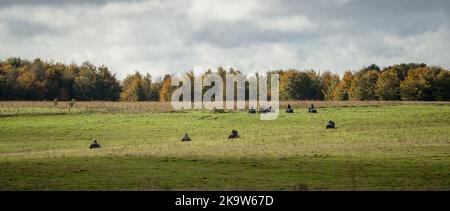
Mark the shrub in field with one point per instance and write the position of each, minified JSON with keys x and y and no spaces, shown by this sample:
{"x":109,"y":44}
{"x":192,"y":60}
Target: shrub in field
{"x":215,"y":110}
{"x":72,"y":103}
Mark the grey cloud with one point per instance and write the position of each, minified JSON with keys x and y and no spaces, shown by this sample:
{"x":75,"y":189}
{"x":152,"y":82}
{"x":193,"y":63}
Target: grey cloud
{"x":56,"y":3}
{"x":368,"y":14}
{"x":171,"y":36}
{"x":24,"y":29}
{"x":245,"y":33}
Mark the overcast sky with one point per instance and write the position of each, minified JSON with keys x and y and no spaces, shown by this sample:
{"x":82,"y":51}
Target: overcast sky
{"x":171,"y":36}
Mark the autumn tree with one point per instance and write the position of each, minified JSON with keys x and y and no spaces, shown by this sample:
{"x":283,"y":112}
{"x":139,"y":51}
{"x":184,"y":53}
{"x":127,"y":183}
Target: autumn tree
{"x":402,"y":69}
{"x":416,"y":85}
{"x":388,"y":85}
{"x":341,"y":92}
{"x":328,"y":83}
{"x":363,"y":85}
{"x":284,"y":76}
{"x":155,"y":88}
{"x":107,"y":86}
{"x":85,"y":82}
{"x":301,"y":86}
{"x":30,"y":87}
{"x":316,"y":85}
{"x":136,"y":87}
{"x":12,"y":90}
{"x":166,"y":89}
{"x":441,"y":87}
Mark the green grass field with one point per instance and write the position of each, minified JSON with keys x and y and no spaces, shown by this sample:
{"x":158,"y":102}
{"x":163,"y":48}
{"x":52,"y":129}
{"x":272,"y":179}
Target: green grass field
{"x":403,"y":147}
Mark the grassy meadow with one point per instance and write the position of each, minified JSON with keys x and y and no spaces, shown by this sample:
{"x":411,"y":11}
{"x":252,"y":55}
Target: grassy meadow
{"x":376,"y":146}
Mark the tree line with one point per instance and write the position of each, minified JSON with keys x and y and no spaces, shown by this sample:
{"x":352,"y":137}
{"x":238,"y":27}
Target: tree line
{"x":408,"y":82}
{"x":38,"y":80}
{"x":25,"y":80}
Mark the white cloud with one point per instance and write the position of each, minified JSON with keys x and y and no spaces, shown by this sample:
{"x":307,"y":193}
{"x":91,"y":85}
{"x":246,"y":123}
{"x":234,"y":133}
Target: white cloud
{"x":430,"y":46}
{"x":287,"y":24}
{"x":222,"y":11}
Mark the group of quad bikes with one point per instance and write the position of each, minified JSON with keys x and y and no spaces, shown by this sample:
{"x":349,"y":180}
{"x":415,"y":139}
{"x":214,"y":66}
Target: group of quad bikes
{"x":234,"y":133}
{"x":269,"y":109}
{"x":290,"y":110}
{"x":312,"y":109}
